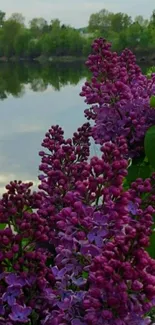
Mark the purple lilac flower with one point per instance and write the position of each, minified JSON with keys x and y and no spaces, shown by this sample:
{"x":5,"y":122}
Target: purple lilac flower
{"x":11,"y":294}
{"x":20,"y":314}
{"x":79,"y":282}
{"x":134,"y":319}
{"x":132,"y":208}
{"x":97,"y":235}
{"x":14,"y":280}
{"x":2,"y":311}
{"x":77,"y":321}
{"x":90,"y":249}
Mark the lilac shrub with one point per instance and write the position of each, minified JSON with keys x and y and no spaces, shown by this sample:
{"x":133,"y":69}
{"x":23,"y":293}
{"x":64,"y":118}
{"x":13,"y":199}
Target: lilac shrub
{"x":119,"y":95}
{"x":76,"y":251}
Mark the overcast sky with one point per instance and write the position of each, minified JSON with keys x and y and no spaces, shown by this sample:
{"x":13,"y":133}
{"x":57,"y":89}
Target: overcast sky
{"x":75,"y":12}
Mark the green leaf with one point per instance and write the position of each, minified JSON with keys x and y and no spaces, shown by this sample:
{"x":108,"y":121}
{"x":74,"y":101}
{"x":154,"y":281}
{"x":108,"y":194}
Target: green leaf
{"x":2,"y":226}
{"x":34,"y":317}
{"x":152,"y":101}
{"x":27,"y":208}
{"x":151,"y":248}
{"x":85,"y":275}
{"x":50,"y":261}
{"x":146,"y":160}
{"x":149,"y":145}
{"x":140,"y":168}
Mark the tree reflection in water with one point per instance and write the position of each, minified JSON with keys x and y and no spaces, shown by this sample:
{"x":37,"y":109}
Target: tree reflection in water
{"x":15,"y":76}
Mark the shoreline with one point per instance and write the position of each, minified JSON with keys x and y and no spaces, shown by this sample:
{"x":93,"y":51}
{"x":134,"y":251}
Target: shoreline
{"x":43,"y":59}
{"x":145,"y":59}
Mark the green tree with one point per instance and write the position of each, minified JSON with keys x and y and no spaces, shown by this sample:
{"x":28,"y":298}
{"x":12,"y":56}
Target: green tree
{"x":34,"y":48}
{"x":22,"y":42}
{"x":17,"y":17}
{"x":55,"y":24}
{"x":119,"y":22}
{"x":2,"y":18}
{"x":38,"y":26}
{"x":50,"y":42}
{"x":100,"y":21}
{"x":152,"y":19}
{"x":11,"y":29}
{"x":133,"y":36}
{"x":141,"y":21}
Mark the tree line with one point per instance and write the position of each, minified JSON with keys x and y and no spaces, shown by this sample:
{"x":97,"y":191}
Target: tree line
{"x":39,"y":38}
{"x":137,"y":34}
{"x":54,"y":39}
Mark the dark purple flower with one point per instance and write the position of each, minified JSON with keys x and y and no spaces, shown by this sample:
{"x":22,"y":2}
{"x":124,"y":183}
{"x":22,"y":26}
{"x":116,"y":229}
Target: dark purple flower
{"x":132,"y":208}
{"x":59,"y":274}
{"x":2,"y":275}
{"x":97,"y":235}
{"x":14,"y":280}
{"x":89,"y":249}
{"x":134,"y":319}
{"x":11,"y":294}
{"x":79,"y":282}
{"x":77,"y":321}
{"x":99,"y":218}
{"x":30,"y":279}
{"x":20,"y":314}
{"x":1,"y":307}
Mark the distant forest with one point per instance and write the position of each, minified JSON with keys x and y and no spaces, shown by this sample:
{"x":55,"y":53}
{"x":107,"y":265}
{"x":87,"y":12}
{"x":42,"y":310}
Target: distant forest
{"x":54,"y":39}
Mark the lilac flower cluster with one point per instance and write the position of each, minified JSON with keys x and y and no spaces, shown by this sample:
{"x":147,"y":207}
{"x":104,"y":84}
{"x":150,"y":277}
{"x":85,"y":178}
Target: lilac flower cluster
{"x":120,"y":96}
{"x":72,"y":252}
{"x":100,"y":233}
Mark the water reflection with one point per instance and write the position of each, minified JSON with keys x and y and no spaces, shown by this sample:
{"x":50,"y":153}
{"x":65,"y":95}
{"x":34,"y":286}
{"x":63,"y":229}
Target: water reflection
{"x":14,"y":77}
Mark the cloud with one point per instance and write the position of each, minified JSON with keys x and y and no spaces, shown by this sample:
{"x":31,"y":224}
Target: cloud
{"x":6,"y":178}
{"x":73,"y":12}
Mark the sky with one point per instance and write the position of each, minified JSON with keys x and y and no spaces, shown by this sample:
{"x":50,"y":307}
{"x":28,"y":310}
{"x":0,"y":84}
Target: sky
{"x":72,"y":12}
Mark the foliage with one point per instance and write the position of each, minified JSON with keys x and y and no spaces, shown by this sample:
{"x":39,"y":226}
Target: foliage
{"x":150,"y":71}
{"x":150,"y":145}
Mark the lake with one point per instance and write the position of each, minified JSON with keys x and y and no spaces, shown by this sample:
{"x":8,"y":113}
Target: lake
{"x":32,"y":98}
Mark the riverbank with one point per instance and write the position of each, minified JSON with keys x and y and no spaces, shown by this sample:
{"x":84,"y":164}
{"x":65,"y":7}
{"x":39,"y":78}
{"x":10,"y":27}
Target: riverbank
{"x":44,"y":59}
{"x":141,"y":58}
{"x":148,"y":59}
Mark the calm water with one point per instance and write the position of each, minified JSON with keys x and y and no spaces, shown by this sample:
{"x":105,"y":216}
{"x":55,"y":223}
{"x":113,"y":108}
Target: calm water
{"x":32,"y":98}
